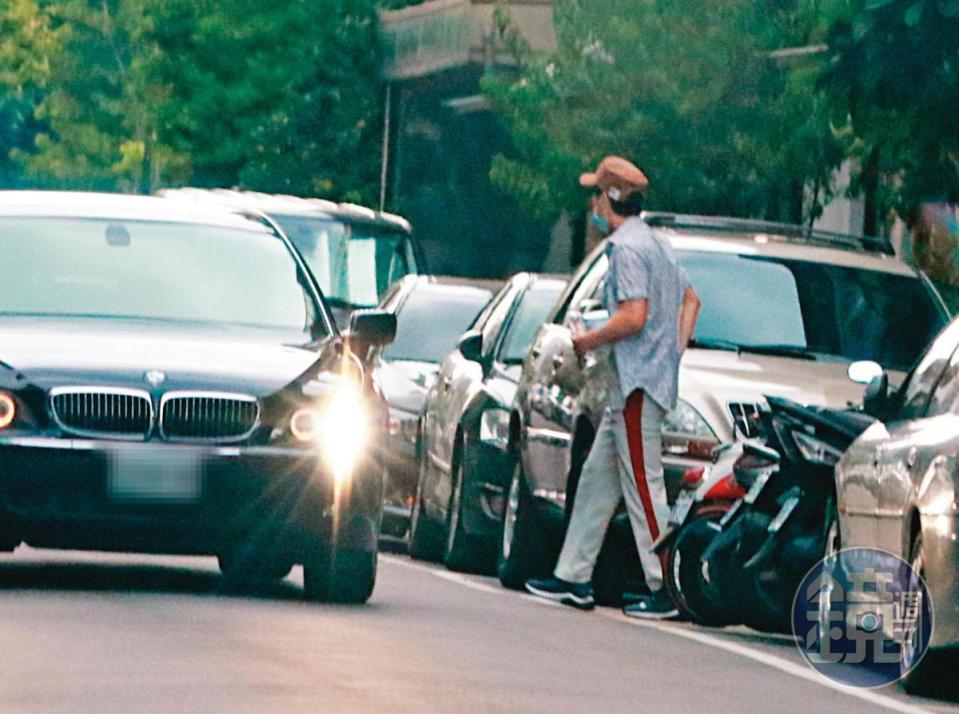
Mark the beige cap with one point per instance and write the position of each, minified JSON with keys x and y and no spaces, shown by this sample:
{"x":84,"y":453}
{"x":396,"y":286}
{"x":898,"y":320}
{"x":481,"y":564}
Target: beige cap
{"x":616,"y":171}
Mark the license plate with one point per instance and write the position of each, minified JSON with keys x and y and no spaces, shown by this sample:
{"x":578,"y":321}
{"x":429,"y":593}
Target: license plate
{"x":684,"y":503}
{"x":161,"y":474}
{"x":730,"y":513}
{"x":758,"y":485}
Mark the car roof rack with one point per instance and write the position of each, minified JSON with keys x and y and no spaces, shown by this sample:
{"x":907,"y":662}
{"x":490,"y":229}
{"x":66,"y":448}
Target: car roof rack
{"x":789,"y":232}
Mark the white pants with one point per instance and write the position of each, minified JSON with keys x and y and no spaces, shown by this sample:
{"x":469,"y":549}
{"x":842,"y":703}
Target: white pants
{"x":625,"y":463}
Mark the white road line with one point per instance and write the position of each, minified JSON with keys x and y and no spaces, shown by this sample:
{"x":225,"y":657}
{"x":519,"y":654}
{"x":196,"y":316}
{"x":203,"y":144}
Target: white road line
{"x":791,"y":668}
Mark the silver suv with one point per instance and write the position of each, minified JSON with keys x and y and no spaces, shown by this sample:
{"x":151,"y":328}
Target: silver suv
{"x":786,"y":312}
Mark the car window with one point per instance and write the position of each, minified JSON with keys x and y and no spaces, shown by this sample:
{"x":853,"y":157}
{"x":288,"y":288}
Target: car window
{"x":590,"y":286}
{"x":354,"y":264}
{"x":526,"y":321}
{"x":566,"y":299}
{"x":915,"y":395}
{"x":155,"y":271}
{"x":828,"y":310}
{"x":494,"y":324}
{"x":431,"y":319}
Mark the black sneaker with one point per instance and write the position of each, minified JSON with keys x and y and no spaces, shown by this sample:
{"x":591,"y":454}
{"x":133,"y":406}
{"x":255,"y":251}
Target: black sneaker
{"x":658,"y":606}
{"x":578,"y":595}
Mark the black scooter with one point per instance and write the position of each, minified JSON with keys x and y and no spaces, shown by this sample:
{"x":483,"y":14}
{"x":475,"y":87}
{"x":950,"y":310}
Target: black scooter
{"x":770,"y":538}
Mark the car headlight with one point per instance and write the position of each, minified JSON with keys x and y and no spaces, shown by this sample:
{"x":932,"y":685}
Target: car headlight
{"x":8,"y":410}
{"x":816,"y":451}
{"x":494,"y":428}
{"x":687,"y":434}
{"x":339,"y":426}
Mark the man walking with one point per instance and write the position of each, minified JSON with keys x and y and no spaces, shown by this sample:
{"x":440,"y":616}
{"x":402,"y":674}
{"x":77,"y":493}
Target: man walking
{"x":653,"y":310}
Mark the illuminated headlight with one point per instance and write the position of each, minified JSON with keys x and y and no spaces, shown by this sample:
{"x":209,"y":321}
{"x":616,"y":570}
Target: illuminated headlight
{"x":339,"y":426}
{"x":687,"y":434}
{"x":8,"y":410}
{"x":815,"y":450}
{"x":494,"y":428}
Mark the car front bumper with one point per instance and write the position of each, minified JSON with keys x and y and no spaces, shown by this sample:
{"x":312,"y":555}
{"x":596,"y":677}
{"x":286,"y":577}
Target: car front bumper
{"x":64,"y":493}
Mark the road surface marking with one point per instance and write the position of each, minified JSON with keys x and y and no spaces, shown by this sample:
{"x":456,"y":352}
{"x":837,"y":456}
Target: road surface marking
{"x":791,"y":668}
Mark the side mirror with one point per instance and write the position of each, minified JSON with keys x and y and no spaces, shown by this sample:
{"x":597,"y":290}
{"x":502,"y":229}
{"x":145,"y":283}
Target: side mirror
{"x":876,"y":400}
{"x":594,"y":319}
{"x":864,"y":372}
{"x":372,"y":328}
{"x":471,"y":346}
{"x":588,"y":305}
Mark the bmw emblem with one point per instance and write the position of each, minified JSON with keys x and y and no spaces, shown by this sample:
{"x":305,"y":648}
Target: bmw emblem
{"x":155,"y":377}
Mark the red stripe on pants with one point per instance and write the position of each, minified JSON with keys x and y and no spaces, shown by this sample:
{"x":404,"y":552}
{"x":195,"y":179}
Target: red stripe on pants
{"x":633,"y":417}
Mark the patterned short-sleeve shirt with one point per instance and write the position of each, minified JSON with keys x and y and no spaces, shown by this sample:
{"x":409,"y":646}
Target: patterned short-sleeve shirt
{"x":643,"y":266}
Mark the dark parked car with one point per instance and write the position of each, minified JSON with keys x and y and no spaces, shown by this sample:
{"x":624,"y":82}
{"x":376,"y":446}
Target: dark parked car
{"x":464,"y":458}
{"x":431,"y":312}
{"x":171,"y":381}
{"x":355,"y":253}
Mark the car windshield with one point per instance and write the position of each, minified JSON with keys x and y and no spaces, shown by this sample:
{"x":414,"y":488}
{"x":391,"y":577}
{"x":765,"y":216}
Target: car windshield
{"x":354,"y":264}
{"x":530,"y":316}
{"x":431,"y":319}
{"x":152,"y":270}
{"x":813,"y":309}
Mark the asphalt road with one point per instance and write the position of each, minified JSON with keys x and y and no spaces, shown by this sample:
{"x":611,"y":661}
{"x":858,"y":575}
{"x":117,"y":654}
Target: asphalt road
{"x":104,"y":633}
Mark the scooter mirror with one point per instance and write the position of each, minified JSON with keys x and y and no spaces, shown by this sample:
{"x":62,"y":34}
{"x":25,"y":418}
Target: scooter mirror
{"x":863,"y":372}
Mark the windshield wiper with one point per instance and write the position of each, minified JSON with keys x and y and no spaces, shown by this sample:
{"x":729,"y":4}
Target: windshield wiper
{"x":709,"y":344}
{"x":779,"y":351}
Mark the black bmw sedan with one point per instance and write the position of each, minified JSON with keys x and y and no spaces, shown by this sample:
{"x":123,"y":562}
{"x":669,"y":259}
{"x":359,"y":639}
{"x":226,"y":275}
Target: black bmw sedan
{"x":171,"y":382}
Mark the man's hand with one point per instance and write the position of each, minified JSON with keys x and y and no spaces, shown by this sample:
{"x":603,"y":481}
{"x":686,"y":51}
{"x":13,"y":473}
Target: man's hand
{"x":583,"y":343}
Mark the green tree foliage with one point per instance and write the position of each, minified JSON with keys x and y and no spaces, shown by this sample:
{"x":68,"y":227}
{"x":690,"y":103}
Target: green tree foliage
{"x":894,"y":82}
{"x":134,"y":94}
{"x":684,"y":87}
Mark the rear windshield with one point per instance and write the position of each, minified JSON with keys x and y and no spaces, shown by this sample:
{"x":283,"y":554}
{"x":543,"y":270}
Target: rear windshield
{"x":354,"y":264}
{"x":431,"y":320}
{"x":827,"y":310}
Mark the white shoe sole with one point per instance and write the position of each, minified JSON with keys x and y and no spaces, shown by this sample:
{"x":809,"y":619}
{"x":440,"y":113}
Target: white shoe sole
{"x":580,"y":603}
{"x":670,"y":615}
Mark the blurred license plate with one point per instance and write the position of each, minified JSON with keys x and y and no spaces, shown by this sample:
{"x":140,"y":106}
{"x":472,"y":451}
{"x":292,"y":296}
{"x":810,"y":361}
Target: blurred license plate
{"x":162,"y":474}
{"x":684,"y":502}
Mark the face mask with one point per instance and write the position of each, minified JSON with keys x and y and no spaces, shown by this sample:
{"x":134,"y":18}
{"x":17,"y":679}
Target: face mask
{"x":601,"y":223}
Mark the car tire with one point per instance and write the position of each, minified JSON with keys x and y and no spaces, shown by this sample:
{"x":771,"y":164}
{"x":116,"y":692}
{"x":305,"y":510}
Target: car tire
{"x":521,"y":553}
{"x":426,"y":535}
{"x":463,"y":552}
{"x":344,"y":576}
{"x":695,"y":598}
{"x":933,"y":675}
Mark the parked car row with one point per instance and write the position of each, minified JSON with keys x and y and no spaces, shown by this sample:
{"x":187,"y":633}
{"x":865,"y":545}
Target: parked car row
{"x":805,"y":316}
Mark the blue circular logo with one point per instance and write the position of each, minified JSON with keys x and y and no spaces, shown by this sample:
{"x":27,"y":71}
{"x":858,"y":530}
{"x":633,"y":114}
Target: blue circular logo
{"x":863,"y":617}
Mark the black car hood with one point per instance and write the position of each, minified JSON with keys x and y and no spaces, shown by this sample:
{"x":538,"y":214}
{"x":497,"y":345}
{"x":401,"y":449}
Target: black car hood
{"x":52,"y":352}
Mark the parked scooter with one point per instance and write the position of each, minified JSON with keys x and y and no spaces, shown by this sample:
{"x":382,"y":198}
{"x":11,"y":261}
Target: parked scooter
{"x":706,"y":496}
{"x":770,"y":538}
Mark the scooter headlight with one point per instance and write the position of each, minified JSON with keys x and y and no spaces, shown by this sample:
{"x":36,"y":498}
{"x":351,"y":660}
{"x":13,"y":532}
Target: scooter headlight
{"x":816,"y":451}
